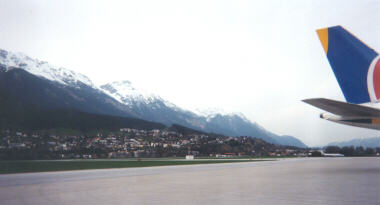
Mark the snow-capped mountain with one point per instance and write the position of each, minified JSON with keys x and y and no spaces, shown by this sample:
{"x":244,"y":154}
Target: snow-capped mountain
{"x":11,"y":60}
{"x":149,"y":106}
{"x":124,"y":92}
{"x":46,"y":86}
{"x":211,"y":113}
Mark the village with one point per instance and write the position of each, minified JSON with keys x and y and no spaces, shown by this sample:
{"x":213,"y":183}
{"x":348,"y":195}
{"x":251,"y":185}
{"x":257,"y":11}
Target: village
{"x":128,"y":143}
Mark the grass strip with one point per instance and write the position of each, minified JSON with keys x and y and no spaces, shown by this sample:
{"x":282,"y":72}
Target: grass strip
{"x":24,"y":166}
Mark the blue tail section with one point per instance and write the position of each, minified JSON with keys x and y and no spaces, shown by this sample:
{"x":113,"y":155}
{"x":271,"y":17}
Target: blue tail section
{"x":350,"y":60}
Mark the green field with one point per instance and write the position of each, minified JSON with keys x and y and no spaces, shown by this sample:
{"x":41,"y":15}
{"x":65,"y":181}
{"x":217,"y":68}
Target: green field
{"x":22,"y":166}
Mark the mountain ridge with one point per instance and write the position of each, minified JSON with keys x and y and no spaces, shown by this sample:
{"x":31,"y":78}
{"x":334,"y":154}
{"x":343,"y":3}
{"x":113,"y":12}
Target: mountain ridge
{"x":62,"y":88}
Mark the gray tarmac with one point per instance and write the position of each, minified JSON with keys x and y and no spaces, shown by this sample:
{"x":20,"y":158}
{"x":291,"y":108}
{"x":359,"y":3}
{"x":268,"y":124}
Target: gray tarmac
{"x":288,"y":181}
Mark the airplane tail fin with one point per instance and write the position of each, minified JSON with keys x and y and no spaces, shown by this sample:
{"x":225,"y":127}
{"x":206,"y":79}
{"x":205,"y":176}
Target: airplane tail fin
{"x":356,"y":66}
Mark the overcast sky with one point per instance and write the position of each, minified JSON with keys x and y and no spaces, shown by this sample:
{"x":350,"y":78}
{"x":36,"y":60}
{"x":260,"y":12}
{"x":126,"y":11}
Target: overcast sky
{"x":260,"y":58}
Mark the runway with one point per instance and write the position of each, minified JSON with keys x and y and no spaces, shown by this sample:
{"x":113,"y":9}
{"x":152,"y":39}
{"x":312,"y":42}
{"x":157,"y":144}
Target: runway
{"x":289,"y":181}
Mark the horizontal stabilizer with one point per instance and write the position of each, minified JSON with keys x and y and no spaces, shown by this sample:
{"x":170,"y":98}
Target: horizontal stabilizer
{"x":343,"y":109}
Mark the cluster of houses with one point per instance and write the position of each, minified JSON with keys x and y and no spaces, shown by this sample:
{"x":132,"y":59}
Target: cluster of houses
{"x":129,"y":142}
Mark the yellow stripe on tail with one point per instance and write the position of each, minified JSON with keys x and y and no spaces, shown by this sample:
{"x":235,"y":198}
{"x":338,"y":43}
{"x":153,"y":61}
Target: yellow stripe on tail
{"x":324,"y":38}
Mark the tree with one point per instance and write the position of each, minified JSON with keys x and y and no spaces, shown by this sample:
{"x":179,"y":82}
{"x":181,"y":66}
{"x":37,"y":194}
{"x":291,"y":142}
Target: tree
{"x":348,"y":151}
{"x":316,"y":154}
{"x":359,"y":151}
{"x":370,"y":151}
{"x":332,"y":149}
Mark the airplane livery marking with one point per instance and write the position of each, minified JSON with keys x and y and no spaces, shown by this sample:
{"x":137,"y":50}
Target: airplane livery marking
{"x":324,"y":37}
{"x":373,"y":78}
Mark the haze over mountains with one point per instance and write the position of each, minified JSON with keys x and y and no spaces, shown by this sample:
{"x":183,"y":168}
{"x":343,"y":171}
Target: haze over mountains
{"x":372,"y":142}
{"x":45,"y":86}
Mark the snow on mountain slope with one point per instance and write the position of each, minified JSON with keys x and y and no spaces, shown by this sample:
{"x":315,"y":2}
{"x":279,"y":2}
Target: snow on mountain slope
{"x":11,"y":60}
{"x":211,"y":113}
{"x":124,"y":92}
{"x":149,"y":106}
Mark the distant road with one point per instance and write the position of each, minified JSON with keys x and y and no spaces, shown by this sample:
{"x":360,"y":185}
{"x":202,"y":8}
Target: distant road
{"x":287,"y":181}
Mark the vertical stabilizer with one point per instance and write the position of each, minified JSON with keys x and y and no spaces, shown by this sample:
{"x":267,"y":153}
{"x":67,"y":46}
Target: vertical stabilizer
{"x":356,"y":66}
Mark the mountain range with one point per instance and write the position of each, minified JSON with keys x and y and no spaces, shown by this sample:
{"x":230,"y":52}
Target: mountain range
{"x":372,"y":142}
{"x":46,"y":87}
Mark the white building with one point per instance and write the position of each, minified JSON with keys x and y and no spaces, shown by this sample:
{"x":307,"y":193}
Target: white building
{"x":189,"y":157}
